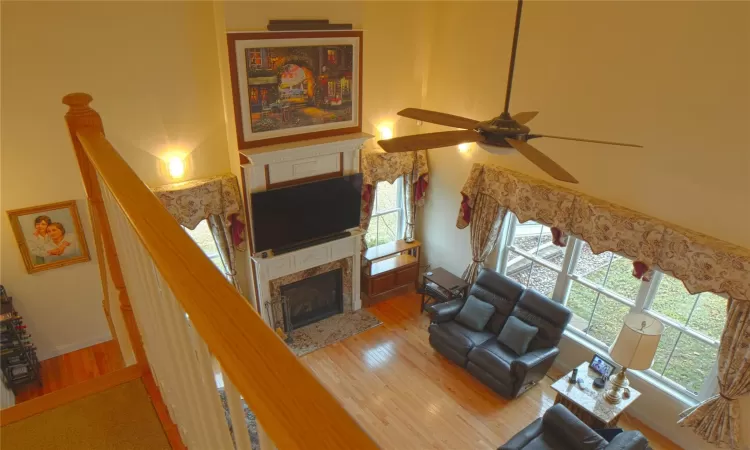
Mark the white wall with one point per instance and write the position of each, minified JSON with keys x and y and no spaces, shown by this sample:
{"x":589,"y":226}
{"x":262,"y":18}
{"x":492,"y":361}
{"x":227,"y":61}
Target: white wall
{"x":152,"y":70}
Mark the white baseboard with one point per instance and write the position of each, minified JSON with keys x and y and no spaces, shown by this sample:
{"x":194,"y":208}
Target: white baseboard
{"x":71,"y":347}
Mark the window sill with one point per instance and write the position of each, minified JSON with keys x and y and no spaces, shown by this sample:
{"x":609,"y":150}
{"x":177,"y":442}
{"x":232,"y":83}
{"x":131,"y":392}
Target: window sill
{"x":642,"y":376}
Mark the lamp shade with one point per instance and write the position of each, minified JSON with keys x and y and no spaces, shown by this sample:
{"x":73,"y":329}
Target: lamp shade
{"x":636,"y":344}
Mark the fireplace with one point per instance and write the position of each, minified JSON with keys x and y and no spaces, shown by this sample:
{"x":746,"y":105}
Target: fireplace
{"x":314,"y":298}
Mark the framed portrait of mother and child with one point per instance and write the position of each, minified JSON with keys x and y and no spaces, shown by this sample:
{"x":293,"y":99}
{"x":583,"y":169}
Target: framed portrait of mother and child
{"x":49,"y":236}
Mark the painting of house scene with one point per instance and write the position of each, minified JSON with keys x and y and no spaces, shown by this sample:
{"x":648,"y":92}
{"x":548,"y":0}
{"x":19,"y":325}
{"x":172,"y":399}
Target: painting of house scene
{"x":292,"y":87}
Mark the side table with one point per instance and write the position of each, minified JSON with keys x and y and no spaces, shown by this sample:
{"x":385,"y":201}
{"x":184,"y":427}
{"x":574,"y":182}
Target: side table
{"x":588,"y":403}
{"x":442,"y":286}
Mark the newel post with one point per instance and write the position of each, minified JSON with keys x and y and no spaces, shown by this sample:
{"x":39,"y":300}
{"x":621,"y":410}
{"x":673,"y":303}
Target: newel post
{"x":81,"y":117}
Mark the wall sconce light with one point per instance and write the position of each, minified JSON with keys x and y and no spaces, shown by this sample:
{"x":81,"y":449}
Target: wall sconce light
{"x":386,"y":131}
{"x":176,"y":167}
{"x":465,"y":147}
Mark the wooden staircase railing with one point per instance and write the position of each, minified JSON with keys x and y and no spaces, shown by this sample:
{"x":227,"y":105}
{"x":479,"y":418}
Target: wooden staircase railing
{"x":291,"y":405}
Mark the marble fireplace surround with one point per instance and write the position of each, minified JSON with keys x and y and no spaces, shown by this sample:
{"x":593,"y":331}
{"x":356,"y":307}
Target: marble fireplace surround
{"x":344,"y":264}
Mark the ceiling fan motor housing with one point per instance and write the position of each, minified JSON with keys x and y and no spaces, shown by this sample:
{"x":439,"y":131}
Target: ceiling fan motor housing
{"x":496,"y":130}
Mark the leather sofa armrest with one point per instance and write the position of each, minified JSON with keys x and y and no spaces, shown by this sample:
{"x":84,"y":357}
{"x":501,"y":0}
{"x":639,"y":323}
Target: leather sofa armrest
{"x":523,"y":363}
{"x":443,"y":312}
{"x":575,"y":434}
{"x":523,"y":437}
{"x":629,"y":440}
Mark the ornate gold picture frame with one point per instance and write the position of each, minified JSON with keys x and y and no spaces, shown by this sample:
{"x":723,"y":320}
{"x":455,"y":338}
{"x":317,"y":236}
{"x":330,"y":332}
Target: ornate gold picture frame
{"x":49,"y":236}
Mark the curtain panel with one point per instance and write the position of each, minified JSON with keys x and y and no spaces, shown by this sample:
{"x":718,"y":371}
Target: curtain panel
{"x":380,"y":166}
{"x":702,"y":263}
{"x":717,"y":420}
{"x":486,"y":224}
{"x":218,"y":201}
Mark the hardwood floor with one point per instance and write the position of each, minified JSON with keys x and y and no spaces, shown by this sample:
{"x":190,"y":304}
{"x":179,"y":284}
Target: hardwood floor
{"x":73,"y":368}
{"x":407,"y":396}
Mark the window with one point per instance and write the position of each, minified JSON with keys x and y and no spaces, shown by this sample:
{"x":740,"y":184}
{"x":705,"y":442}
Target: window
{"x":253,"y":58}
{"x":205,"y":240}
{"x":533,"y":260}
{"x":345,"y":86}
{"x":693,"y":326}
{"x":331,"y":56}
{"x":386,"y":223}
{"x":600,"y":290}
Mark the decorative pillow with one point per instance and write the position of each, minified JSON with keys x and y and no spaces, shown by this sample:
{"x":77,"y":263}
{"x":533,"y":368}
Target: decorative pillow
{"x":517,"y":334}
{"x":475,"y":313}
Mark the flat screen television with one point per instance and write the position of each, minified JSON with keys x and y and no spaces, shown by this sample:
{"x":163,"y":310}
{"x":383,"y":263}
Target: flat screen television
{"x":287,"y":216}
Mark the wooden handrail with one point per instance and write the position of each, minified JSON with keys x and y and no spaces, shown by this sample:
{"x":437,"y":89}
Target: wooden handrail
{"x":293,"y":407}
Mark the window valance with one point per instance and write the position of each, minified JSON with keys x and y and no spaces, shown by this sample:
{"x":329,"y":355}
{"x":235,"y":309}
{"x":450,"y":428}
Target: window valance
{"x":701,"y":262}
{"x":381,"y":166}
{"x":190,"y":202}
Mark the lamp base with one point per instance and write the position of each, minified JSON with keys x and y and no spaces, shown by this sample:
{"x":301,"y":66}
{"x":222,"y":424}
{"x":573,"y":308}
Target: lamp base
{"x":618,"y":382}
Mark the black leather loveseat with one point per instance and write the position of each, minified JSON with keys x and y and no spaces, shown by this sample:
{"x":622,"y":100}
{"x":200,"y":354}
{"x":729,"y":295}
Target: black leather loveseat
{"x":504,"y":371}
{"x":559,"y":429}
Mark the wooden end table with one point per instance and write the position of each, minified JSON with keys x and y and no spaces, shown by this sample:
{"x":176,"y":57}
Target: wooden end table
{"x":442,"y":286}
{"x":588,"y":403}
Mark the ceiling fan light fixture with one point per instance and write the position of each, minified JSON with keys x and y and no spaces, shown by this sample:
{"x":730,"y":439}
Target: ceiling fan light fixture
{"x":465,"y":147}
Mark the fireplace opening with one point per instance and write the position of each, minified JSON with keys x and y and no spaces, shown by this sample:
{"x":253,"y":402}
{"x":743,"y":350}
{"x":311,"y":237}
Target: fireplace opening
{"x":314,"y":298}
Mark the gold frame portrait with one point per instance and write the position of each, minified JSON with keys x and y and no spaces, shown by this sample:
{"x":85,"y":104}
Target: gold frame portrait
{"x":21,"y":238}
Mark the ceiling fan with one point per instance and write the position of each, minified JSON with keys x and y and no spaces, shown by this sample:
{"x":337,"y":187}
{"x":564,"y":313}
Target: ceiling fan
{"x":502,"y":131}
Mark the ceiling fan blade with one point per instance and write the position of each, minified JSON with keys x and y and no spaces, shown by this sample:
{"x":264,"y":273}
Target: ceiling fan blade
{"x":541,"y":160}
{"x":585,"y":140}
{"x":449,"y":120}
{"x":525,"y":117}
{"x":429,"y":140}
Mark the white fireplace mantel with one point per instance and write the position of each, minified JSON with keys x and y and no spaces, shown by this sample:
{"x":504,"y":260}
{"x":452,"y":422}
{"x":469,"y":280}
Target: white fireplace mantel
{"x":277,"y":266}
{"x":282,"y":163}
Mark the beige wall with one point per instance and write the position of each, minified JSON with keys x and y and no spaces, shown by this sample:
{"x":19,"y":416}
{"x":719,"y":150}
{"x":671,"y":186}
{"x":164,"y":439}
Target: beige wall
{"x":672,"y":76}
{"x":152,"y":69}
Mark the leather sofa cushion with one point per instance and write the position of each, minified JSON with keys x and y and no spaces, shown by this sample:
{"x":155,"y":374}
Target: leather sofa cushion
{"x":499,"y":291}
{"x":548,"y":316}
{"x":494,"y":358}
{"x":545,"y":442}
{"x":458,"y":337}
{"x":475,"y":313}
{"x":517,"y":334}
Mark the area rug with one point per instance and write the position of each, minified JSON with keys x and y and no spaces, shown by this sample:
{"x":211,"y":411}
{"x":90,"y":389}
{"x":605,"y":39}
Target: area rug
{"x":331,"y":330}
{"x":252,"y":427}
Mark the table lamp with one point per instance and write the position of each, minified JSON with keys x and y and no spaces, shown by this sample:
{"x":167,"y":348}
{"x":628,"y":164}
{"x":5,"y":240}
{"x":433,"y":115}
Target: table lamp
{"x":634,"y":348}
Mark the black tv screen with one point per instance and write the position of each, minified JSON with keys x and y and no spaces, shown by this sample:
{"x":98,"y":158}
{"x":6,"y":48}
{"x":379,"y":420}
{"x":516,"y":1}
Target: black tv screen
{"x":287,"y":216}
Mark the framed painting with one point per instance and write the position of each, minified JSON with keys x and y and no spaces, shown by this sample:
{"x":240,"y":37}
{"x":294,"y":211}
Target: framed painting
{"x":49,"y":236}
{"x":293,"y":86}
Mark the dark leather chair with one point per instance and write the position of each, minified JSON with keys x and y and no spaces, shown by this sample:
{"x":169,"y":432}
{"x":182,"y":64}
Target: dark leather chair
{"x":481,"y":354}
{"x":559,"y":429}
